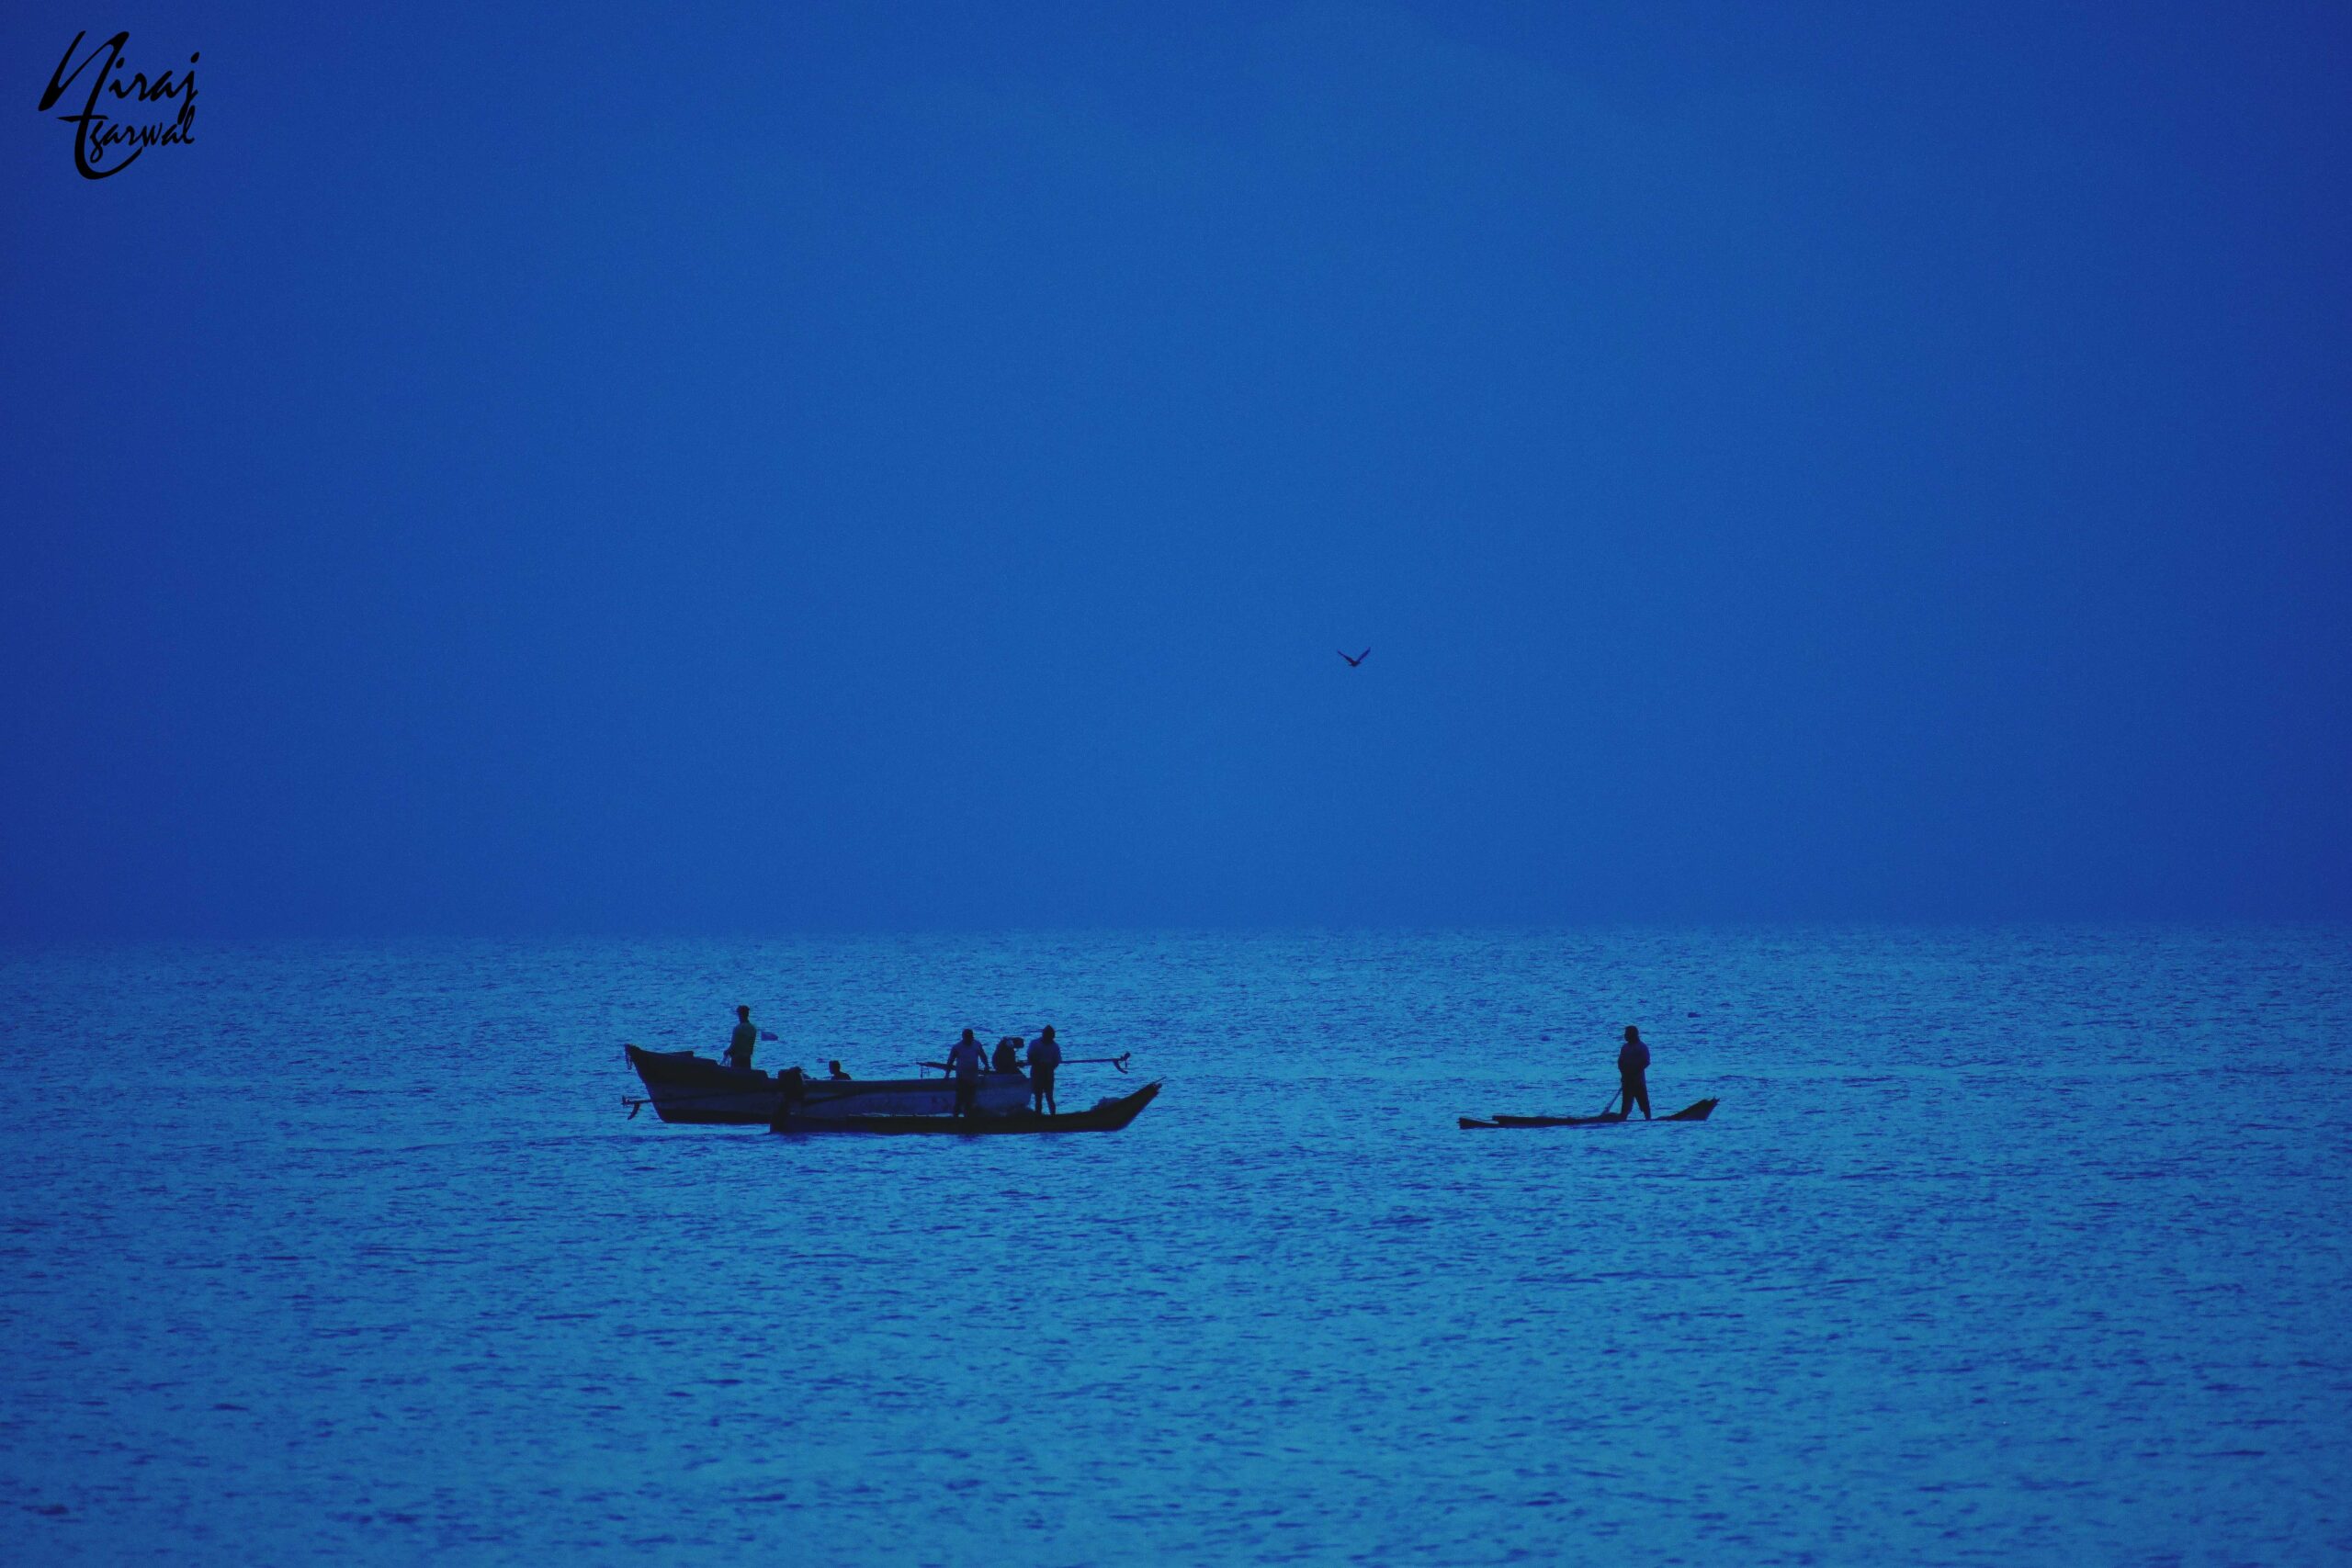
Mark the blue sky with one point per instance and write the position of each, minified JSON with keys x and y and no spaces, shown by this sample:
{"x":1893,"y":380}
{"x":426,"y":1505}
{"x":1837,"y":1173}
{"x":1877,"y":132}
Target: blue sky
{"x":707,"y":469}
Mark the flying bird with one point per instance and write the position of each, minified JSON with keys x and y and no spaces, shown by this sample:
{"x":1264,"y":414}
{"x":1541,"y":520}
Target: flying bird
{"x":1359,"y":658}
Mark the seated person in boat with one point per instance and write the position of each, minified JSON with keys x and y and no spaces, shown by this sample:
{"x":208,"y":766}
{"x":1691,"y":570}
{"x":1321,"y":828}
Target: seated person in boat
{"x":1043,"y":1057}
{"x":965,"y":1063}
{"x":747,"y":1036}
{"x":1008,"y":1055}
{"x":1633,"y":1069}
{"x":833,"y":1071}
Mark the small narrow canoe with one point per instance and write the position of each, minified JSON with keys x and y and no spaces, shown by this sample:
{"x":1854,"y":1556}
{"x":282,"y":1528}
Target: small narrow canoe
{"x":1108,"y":1116}
{"x":1697,"y":1112}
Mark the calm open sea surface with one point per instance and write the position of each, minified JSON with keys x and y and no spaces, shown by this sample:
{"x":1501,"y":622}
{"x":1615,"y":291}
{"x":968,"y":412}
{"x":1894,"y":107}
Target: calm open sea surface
{"x":2005,"y":1246}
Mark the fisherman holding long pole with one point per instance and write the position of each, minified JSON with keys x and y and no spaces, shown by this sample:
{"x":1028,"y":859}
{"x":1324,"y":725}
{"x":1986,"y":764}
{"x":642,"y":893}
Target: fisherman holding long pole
{"x":1633,"y":1070}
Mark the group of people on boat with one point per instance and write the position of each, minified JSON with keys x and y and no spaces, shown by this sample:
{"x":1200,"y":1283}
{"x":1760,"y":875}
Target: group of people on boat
{"x":967,"y":1061}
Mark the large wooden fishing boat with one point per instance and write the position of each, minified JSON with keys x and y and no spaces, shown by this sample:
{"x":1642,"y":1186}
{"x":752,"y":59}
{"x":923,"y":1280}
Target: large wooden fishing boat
{"x":1107,"y":1116}
{"x":684,"y":1086}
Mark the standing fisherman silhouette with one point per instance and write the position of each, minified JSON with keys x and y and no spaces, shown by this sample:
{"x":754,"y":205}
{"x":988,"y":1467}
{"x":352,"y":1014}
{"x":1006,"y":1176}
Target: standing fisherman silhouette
{"x":966,"y":1062}
{"x":1632,"y":1065}
{"x":1043,"y":1057}
{"x":747,"y":1036}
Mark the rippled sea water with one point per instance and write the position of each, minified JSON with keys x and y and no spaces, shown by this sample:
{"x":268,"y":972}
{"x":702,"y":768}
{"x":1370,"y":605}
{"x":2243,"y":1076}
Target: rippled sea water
{"x":2004,"y":1247}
